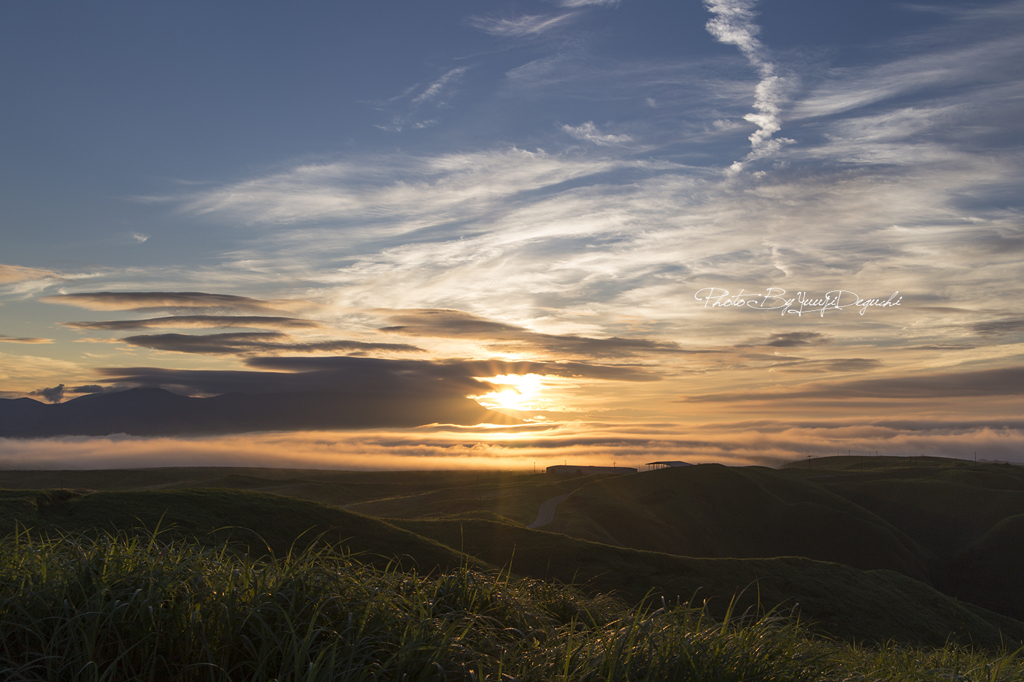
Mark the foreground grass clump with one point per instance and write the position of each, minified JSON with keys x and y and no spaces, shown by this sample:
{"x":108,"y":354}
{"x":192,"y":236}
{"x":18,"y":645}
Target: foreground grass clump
{"x":118,"y":607}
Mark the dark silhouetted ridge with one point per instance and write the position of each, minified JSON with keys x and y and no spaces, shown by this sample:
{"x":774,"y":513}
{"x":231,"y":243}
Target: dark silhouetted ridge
{"x":156,"y":412}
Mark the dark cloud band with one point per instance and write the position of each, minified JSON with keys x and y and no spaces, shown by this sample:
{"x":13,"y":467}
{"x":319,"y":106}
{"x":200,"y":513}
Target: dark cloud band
{"x":937,"y":385}
{"x":253,"y":343}
{"x":199,"y":322}
{"x":441,"y":323}
{"x":155,"y":300}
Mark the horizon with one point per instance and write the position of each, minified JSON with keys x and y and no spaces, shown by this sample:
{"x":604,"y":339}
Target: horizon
{"x":718,"y":229}
{"x":491,"y":470}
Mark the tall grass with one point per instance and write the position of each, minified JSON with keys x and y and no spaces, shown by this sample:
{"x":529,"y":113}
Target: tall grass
{"x":131,"y":607}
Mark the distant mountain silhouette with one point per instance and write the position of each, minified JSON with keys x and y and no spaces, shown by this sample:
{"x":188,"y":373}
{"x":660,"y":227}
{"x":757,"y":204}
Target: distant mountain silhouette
{"x":156,"y":412}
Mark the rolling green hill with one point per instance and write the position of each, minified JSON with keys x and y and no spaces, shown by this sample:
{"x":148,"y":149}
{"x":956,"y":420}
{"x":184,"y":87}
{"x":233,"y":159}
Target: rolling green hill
{"x":838,"y":600}
{"x":256,"y":521}
{"x":396,"y":494}
{"x":842,"y":601}
{"x":964,"y":514}
{"x":716,"y":511}
{"x":950,"y":523}
{"x":707,"y":530}
{"x":989,"y":571}
{"x":944,"y":509}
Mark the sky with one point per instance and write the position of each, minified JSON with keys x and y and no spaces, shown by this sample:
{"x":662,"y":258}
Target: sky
{"x":717,"y":231}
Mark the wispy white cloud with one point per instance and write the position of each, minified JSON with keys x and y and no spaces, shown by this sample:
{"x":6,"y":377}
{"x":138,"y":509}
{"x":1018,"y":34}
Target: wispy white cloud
{"x":504,"y":235}
{"x":436,"y":90}
{"x":417,"y":107}
{"x":733,"y":24}
{"x":588,"y":3}
{"x":522,"y":26}
{"x":10,"y":274}
{"x":23,"y":282}
{"x":403,"y":192}
{"x":939,"y":70}
{"x":588,"y":132}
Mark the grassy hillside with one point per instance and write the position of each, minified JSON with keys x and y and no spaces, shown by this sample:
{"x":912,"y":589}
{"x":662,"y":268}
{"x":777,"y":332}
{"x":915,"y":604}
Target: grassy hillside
{"x":131,"y":608}
{"x":989,"y":571}
{"x":516,"y":499}
{"x":843,"y":602}
{"x":716,"y":511}
{"x":943,"y":508}
{"x":964,"y":514}
{"x":396,"y":494}
{"x":951,"y":524}
{"x":259,"y":522}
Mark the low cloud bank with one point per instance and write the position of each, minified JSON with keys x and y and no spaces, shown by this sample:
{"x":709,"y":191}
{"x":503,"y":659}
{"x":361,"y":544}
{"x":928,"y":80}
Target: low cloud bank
{"x":522,"y":447}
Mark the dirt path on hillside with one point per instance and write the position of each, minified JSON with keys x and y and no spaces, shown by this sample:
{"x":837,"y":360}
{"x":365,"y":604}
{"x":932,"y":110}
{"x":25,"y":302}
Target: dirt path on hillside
{"x":546,"y":513}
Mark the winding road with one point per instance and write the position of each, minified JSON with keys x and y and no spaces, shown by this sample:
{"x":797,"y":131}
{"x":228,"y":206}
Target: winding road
{"x":546,"y":513}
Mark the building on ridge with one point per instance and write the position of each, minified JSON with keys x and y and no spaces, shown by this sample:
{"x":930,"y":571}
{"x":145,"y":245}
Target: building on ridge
{"x":651,"y":466}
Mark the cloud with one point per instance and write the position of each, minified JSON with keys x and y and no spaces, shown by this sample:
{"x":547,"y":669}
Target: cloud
{"x":251,"y":343}
{"x":370,"y":376}
{"x":997,"y":327}
{"x":361,"y":375}
{"x":140,"y":238}
{"x":463,"y":369}
{"x":20,"y":373}
{"x":54,"y":395}
{"x":568,"y":370}
{"x":93,"y":388}
{"x":407,"y":110}
{"x":588,"y":132}
{"x":1008,"y":381}
{"x":519,"y":27}
{"x":436,"y":89}
{"x":521,"y":447}
{"x":975,"y":60}
{"x":394,"y":195}
{"x":155,"y":412}
{"x":458,"y":324}
{"x":601,"y":241}
{"x":278,"y":394}
{"x":791,"y":339}
{"x":183,"y":300}
{"x":733,"y":24}
{"x":198,"y":322}
{"x":10,"y":274}
{"x":589,"y":3}
{"x":23,"y":339}
{"x":826,"y":366}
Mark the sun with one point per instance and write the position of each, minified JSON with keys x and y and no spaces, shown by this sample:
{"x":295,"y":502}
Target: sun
{"x":517,"y":392}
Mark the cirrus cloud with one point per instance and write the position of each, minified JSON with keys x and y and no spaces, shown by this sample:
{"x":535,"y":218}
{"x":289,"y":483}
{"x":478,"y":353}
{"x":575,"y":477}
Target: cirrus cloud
{"x":155,"y":300}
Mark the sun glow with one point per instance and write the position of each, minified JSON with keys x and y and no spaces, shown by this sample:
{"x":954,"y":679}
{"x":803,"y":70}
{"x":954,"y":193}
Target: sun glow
{"x":516,"y":392}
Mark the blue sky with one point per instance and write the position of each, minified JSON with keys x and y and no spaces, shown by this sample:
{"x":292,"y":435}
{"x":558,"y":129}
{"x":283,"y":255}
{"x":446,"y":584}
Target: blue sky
{"x":534,"y":182}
